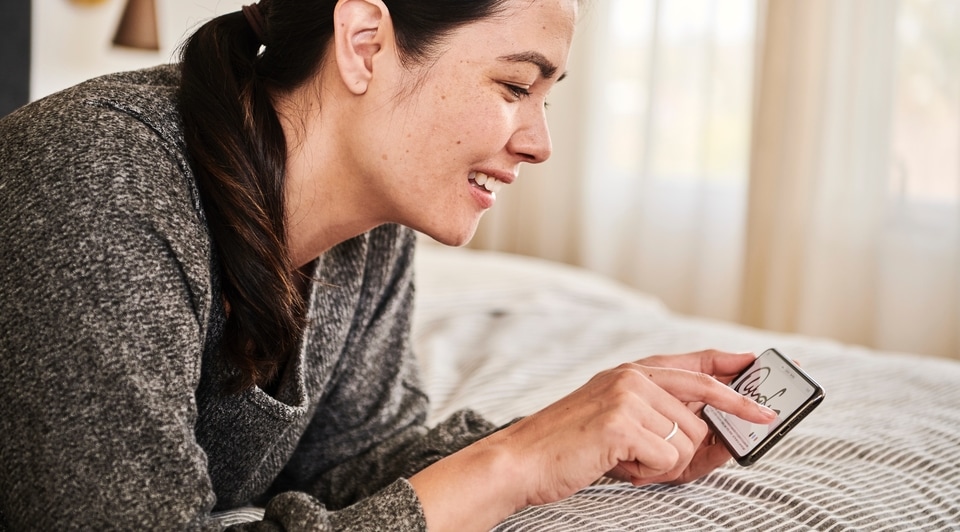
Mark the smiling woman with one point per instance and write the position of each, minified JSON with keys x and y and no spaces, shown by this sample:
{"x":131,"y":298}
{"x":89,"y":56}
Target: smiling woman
{"x":208,"y":283}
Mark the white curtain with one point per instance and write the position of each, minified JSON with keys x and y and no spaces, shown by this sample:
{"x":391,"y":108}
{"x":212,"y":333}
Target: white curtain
{"x":791,"y":165}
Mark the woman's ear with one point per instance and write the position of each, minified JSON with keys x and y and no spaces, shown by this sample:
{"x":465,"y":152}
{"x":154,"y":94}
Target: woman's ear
{"x":362,"y":29}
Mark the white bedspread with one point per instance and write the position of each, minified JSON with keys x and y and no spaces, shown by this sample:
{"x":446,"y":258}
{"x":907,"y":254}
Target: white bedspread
{"x":506,"y":335}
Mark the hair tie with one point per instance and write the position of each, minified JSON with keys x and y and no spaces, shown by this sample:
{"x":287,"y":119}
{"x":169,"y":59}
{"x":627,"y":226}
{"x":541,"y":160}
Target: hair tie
{"x":256,"y":21}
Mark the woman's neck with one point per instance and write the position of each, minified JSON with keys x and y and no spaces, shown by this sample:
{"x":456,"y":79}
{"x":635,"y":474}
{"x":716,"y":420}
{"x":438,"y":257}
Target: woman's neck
{"x":325,"y":203}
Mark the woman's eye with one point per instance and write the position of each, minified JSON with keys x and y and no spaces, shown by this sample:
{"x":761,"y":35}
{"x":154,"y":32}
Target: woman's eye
{"x":517,"y":91}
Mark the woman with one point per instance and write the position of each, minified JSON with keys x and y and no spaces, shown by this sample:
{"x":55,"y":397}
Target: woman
{"x":207,"y":283}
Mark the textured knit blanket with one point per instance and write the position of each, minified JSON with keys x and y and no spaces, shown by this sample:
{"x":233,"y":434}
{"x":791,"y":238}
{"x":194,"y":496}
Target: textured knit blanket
{"x":507,"y":336}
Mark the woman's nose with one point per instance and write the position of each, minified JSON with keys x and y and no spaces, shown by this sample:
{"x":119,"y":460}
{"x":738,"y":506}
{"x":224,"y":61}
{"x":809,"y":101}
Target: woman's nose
{"x":531,"y":142}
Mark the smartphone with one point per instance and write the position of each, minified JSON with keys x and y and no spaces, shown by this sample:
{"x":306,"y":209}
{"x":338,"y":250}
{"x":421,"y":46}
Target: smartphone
{"x":774,"y":381}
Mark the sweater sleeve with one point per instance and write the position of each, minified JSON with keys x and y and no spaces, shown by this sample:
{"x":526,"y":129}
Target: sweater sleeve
{"x":368,"y":434}
{"x":101,"y":329}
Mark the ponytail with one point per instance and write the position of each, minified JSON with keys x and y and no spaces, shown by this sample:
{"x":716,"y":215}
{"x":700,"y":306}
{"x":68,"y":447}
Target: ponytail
{"x":238,"y":153}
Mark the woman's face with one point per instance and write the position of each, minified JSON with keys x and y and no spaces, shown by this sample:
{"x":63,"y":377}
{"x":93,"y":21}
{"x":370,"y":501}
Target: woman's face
{"x":436,"y":154}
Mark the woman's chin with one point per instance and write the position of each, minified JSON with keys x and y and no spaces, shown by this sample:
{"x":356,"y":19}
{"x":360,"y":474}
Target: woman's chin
{"x":452,"y":241}
{"x":454,"y":237}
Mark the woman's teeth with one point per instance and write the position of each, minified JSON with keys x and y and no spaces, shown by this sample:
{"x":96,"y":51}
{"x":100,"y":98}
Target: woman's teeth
{"x":492,"y":184}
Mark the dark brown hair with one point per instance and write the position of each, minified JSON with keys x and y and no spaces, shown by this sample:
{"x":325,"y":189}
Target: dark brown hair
{"x":238,"y":153}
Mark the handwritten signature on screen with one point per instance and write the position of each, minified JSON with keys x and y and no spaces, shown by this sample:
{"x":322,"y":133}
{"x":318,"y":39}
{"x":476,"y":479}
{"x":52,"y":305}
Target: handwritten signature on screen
{"x":751,"y":384}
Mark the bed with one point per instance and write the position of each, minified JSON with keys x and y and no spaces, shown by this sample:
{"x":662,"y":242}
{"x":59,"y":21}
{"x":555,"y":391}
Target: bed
{"x":506,"y":335}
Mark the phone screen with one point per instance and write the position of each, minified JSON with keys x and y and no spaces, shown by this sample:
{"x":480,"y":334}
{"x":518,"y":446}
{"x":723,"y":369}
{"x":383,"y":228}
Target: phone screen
{"x":773,"y":381}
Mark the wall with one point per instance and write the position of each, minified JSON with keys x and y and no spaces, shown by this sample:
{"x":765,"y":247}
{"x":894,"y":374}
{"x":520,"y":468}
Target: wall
{"x":14,"y":54}
{"x":72,"y":43}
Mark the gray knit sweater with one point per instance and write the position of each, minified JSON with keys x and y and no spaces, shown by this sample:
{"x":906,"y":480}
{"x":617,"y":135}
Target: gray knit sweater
{"x":111,"y":415}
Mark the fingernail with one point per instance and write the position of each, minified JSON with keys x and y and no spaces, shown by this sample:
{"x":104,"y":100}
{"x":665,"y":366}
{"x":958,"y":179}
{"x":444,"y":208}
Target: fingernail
{"x":767,"y":411}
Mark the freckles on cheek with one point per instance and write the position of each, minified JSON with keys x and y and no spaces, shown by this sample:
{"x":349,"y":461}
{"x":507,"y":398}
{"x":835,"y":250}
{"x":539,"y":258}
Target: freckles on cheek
{"x":466,"y":126}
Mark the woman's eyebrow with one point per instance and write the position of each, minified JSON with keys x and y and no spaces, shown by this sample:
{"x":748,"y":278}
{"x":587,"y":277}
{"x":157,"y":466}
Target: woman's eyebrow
{"x":547,"y":69}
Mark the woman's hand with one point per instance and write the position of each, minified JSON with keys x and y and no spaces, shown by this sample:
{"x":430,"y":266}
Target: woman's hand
{"x":613,"y":425}
{"x":616,"y":424}
{"x":711,"y":453}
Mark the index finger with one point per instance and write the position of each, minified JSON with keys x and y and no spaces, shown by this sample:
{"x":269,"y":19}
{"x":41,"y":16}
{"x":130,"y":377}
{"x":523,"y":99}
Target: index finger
{"x":697,"y":387}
